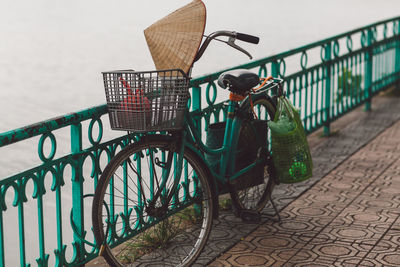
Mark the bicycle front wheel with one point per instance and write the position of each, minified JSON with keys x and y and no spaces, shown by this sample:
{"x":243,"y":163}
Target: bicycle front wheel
{"x":256,"y":195}
{"x":144,"y":213}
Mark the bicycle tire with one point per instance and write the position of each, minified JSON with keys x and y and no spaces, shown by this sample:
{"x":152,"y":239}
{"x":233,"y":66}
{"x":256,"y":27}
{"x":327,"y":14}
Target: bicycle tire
{"x":254,"y":198}
{"x":178,"y":237}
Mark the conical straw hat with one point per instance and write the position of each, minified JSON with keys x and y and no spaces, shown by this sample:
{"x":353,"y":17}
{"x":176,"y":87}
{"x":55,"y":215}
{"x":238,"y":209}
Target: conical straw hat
{"x":174,"y":40}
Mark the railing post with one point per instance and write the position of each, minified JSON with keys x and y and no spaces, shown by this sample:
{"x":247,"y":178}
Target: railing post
{"x":397,"y":62}
{"x":77,"y":190}
{"x":196,"y":103}
{"x":274,"y":72}
{"x":42,"y":261}
{"x":368,"y":71}
{"x":2,"y":261}
{"x":21,"y":222}
{"x":328,"y":82}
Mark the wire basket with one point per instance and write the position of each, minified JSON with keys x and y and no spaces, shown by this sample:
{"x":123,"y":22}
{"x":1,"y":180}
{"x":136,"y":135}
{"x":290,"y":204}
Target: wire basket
{"x":146,"y":101}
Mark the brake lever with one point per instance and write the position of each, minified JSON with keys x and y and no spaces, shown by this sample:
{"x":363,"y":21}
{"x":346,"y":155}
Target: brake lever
{"x":231,"y":42}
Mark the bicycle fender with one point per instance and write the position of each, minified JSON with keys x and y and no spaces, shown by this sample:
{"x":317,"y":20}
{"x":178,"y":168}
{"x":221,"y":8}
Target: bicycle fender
{"x":255,"y":96}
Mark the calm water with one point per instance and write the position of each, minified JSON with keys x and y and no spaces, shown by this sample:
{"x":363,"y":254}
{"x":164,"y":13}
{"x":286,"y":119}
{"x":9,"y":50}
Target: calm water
{"x":52,"y":53}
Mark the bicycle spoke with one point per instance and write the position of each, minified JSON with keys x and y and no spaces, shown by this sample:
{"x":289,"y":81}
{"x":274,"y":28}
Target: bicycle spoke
{"x":128,"y":187}
{"x":140,"y":178}
{"x":123,"y":197}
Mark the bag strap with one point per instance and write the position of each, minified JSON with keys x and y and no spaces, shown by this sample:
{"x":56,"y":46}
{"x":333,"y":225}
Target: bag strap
{"x":284,"y":103}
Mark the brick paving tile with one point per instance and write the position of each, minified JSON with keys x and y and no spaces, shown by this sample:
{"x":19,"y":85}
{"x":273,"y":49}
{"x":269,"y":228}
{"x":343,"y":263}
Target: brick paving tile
{"x":350,"y":217}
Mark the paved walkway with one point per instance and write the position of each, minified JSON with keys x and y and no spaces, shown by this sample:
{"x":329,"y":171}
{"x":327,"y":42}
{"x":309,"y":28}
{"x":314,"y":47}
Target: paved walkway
{"x":346,"y":215}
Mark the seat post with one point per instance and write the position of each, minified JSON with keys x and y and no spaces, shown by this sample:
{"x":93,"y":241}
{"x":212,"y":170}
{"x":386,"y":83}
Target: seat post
{"x":230,"y":137}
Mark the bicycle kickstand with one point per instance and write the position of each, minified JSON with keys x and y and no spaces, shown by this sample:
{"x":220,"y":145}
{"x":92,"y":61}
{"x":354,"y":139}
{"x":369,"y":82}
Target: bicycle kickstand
{"x":254,"y":216}
{"x":274,"y":206}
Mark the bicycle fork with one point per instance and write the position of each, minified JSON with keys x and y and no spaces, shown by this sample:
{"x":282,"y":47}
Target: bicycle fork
{"x":175,"y":162}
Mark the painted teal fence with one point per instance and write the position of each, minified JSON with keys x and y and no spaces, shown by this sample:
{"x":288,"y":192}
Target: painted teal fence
{"x":326,"y":79}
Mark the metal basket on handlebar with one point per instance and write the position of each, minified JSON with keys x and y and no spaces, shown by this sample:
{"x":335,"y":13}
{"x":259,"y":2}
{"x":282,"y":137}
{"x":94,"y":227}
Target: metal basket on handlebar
{"x":146,"y":101}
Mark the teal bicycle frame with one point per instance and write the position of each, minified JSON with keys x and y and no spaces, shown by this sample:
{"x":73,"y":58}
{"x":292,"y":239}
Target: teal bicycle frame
{"x":228,"y":149}
{"x":236,"y":115}
{"x":190,"y":138}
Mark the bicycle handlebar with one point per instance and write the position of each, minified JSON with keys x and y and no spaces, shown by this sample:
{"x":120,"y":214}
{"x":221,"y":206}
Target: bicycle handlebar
{"x":247,"y":38}
{"x":232,"y":37}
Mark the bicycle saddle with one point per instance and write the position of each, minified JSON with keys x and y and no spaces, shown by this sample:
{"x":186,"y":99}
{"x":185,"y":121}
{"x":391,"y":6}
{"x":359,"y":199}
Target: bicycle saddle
{"x":238,"y":81}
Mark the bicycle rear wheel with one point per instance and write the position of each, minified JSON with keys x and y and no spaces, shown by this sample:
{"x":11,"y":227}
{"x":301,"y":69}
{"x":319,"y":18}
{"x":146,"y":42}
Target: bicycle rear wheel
{"x":135,"y":232}
{"x":254,"y":197}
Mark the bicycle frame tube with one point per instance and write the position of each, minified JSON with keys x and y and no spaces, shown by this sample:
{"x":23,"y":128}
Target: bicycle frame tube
{"x":231,"y":140}
{"x":231,"y":137}
{"x":178,"y":165}
{"x":196,"y":138}
{"x":228,"y":148}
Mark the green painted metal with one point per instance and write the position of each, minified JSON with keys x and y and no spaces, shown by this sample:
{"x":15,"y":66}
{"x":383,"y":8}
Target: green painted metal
{"x":77,"y":191}
{"x":327,"y":91}
{"x":398,"y":52}
{"x":274,"y":70}
{"x":21,"y":226}
{"x":227,"y":139}
{"x":2,"y":261}
{"x":36,"y":129}
{"x":196,"y":102}
{"x":331,"y":78}
{"x":368,"y":70}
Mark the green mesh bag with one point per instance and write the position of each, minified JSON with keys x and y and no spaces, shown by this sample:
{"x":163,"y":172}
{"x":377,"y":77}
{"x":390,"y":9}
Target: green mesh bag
{"x":290,"y":150}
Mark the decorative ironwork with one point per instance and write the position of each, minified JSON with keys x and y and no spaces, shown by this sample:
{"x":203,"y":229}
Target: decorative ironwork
{"x":303,"y":60}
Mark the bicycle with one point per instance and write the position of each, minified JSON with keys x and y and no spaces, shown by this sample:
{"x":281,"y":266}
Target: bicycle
{"x":158,"y":196}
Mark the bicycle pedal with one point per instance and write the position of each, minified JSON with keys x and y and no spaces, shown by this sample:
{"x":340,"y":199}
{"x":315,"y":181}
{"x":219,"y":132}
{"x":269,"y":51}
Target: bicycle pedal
{"x":250,"y":216}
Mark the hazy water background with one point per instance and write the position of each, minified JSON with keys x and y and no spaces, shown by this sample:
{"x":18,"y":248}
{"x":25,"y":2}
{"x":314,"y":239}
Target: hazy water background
{"x":52,"y":53}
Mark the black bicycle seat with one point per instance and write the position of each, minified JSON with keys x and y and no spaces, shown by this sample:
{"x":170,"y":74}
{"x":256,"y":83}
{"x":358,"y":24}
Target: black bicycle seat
{"x":238,"y":81}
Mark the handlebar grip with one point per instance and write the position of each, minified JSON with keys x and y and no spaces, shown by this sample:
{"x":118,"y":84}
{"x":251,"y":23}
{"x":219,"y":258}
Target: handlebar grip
{"x":247,"y":38}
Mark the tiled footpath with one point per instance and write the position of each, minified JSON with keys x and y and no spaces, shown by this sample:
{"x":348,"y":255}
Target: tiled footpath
{"x":347,"y":214}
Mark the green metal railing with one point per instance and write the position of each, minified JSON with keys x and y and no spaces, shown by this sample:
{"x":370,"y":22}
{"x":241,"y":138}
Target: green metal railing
{"x":327,"y":79}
